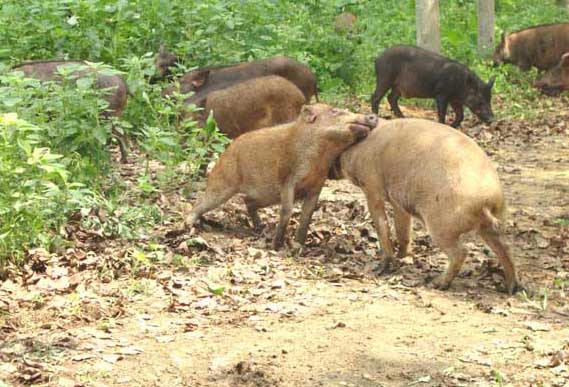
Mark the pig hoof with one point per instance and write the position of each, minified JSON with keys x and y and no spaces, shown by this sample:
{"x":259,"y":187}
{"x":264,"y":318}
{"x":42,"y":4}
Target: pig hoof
{"x":387,"y":268}
{"x":440,"y":283}
{"x":296,"y":249}
{"x":277,"y":244}
{"x":515,"y":287}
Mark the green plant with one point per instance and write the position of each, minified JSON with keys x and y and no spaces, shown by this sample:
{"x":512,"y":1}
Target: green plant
{"x":36,"y":189}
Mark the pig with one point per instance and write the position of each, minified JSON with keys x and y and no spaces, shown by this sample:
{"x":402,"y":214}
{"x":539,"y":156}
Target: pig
{"x":282,"y":164}
{"x":249,"y":105}
{"x":208,"y":79}
{"x":46,"y":70}
{"x":411,"y":71}
{"x":555,"y":80}
{"x":345,"y":22}
{"x":436,"y":174}
{"x":539,"y":46}
{"x":163,"y":61}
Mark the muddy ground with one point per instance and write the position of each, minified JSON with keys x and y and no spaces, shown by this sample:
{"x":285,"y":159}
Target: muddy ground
{"x":221,"y":309}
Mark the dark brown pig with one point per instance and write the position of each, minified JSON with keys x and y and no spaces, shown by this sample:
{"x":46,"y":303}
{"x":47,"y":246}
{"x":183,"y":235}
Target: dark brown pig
{"x":540,"y":46}
{"x":283,"y":164}
{"x":117,"y":96}
{"x":208,"y":79}
{"x":411,"y":71}
{"x":250,"y":105}
{"x":163,"y":61}
{"x":436,"y":174}
{"x":555,"y":80}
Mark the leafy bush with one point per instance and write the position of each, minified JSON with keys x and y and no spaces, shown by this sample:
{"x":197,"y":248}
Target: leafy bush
{"x":36,"y":189}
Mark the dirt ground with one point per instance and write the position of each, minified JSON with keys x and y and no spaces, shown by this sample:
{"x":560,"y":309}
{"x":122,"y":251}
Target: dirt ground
{"x":222,"y":309}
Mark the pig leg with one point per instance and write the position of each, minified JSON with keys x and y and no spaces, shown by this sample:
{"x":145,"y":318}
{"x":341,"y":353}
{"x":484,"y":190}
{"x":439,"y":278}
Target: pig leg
{"x":402,"y":222}
{"x":495,"y":241}
{"x":380,"y":91}
{"x":456,"y":253}
{"x":376,"y":207}
{"x":393,"y":99}
{"x":307,"y":210}
{"x":252,"y":210}
{"x":442,"y":105}
{"x":287,"y":203}
{"x":212,"y":199}
{"x":458,"y":114}
{"x":121,"y":139}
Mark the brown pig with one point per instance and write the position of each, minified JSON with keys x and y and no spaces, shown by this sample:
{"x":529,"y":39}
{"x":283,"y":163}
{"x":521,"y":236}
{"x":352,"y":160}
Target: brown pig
{"x":47,"y":70}
{"x":345,"y":22}
{"x":539,"y":46}
{"x":250,"y":105}
{"x":208,"y":79}
{"x":283,"y":164}
{"x":555,"y":80}
{"x":439,"y":175}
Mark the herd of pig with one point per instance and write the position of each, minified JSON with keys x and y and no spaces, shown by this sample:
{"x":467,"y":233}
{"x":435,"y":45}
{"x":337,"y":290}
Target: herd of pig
{"x":285,"y":148}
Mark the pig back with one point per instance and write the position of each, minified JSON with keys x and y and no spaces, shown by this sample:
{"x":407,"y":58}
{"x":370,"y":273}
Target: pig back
{"x":540,"y":46}
{"x":48,"y":71}
{"x":254,"y":104}
{"x":415,"y":162}
{"x":43,"y":70}
{"x":296,"y":72}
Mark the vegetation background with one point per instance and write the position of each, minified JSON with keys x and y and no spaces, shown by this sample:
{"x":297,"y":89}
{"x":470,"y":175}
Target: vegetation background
{"x":54,"y":162}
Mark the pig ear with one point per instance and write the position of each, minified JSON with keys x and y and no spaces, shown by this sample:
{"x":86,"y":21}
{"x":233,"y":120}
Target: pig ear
{"x":491,"y":82}
{"x":308,"y":114}
{"x":565,"y":60}
{"x":200,"y":78}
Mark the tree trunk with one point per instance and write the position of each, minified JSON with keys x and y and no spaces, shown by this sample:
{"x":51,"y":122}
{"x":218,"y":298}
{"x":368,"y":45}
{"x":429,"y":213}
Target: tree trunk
{"x":485,"y":27}
{"x":428,"y":24}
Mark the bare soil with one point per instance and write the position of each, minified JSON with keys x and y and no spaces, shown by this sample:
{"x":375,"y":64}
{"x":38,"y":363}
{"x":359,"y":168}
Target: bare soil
{"x":220,"y":308}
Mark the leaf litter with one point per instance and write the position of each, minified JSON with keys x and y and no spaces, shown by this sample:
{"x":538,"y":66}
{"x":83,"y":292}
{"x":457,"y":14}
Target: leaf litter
{"x":92,"y":291}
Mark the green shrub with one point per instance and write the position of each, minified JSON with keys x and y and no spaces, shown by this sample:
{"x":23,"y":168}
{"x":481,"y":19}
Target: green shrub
{"x":36,"y":190}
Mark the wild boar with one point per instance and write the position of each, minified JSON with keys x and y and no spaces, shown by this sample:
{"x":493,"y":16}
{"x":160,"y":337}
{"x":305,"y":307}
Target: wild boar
{"x":283,"y":164}
{"x":436,"y":174}
{"x":163,"y":61}
{"x":411,"y":71}
{"x":539,"y":46}
{"x":555,"y":80}
{"x":250,"y":105}
{"x":47,"y":70}
{"x":208,"y":79}
{"x":345,"y":22}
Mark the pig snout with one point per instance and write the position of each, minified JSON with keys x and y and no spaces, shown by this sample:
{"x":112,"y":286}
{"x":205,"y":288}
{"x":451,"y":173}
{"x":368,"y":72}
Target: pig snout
{"x":488,"y":118}
{"x":372,"y":120}
{"x":362,"y":126}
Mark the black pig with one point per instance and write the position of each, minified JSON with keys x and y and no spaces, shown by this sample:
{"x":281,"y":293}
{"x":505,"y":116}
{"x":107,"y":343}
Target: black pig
{"x":411,"y":71}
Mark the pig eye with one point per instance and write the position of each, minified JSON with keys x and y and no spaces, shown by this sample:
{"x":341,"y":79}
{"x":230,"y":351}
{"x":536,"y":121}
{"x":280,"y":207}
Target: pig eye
{"x":336,"y":112}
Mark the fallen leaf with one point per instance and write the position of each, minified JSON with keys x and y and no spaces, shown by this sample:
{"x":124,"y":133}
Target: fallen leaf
{"x":112,"y":358}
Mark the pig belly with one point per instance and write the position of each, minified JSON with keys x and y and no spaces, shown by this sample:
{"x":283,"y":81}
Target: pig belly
{"x":410,"y":87}
{"x":263,"y":196}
